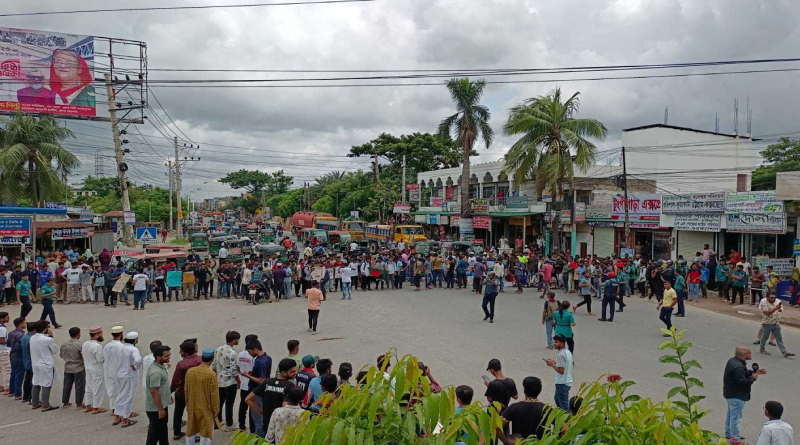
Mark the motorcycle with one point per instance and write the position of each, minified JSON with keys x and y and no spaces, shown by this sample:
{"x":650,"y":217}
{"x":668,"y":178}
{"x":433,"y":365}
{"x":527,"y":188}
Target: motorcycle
{"x":258,"y":292}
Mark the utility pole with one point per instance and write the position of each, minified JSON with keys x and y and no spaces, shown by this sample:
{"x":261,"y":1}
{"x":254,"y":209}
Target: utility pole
{"x":178,"y":188}
{"x":170,"y":195}
{"x":625,"y":190}
{"x":377,"y":171}
{"x":403,"y":190}
{"x":121,"y":167}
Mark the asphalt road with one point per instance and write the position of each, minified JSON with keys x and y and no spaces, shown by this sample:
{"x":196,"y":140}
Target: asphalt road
{"x":444,"y":328}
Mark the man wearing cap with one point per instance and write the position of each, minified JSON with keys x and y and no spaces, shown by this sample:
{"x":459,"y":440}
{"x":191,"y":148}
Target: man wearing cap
{"x":111,"y":352}
{"x":306,"y":374}
{"x":502,"y":389}
{"x":202,"y":400}
{"x":130,"y":362}
{"x":610,"y":295}
{"x":93,"y":360}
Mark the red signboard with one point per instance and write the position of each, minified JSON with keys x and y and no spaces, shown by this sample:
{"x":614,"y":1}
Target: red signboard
{"x":449,"y":192}
{"x":481,"y":222}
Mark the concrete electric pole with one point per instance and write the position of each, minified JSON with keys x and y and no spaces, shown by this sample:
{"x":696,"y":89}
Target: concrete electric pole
{"x":121,"y":166}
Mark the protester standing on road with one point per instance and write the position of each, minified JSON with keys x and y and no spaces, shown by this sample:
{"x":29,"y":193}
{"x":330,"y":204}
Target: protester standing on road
{"x":17,"y":364}
{"x":585,"y":289}
{"x":563,"y":367}
{"x":45,"y":371}
{"x":666,"y":304}
{"x":202,"y":400}
{"x":771,"y":308}
{"x":314,"y":296}
{"x":5,"y":356}
{"x":550,"y":308}
{"x":127,"y":374}
{"x":92,"y":352}
{"x":775,"y":431}
{"x":188,"y":350}
{"x":74,"y":370}
{"x":490,"y":296}
{"x":228,"y":374}
{"x":347,"y":283}
{"x":564,"y":321}
{"x":736,"y":384}
{"x":157,"y":398}
{"x":610,"y":292}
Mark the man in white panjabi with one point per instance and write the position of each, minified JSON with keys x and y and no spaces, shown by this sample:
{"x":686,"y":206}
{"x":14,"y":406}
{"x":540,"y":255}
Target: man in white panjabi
{"x":130,"y":362}
{"x":45,"y":371}
{"x":93,"y":360}
{"x":111,"y":353}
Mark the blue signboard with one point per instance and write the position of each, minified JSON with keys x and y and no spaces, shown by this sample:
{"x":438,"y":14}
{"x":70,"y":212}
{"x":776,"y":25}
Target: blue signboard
{"x":55,"y":205}
{"x":15,"y":241}
{"x":15,"y":227}
{"x":146,"y":235}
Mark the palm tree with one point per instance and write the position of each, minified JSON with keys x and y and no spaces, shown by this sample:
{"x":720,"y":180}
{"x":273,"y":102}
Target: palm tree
{"x":552,"y":143}
{"x":32,"y":161}
{"x":470,"y":121}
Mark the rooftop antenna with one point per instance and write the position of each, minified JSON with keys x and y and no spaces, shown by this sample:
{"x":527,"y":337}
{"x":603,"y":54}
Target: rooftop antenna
{"x":749,"y":119}
{"x":736,"y":117}
{"x":716,"y":122}
{"x":666,"y":115}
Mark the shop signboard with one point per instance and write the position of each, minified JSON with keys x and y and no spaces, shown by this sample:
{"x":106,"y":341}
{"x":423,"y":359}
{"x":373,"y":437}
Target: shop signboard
{"x":433,"y":219}
{"x":640,"y":225}
{"x":782,"y":266}
{"x":756,"y":223}
{"x":402,"y":208}
{"x":626,"y":251}
{"x":413,"y":192}
{"x":796,"y":247}
{"x":598,"y":211}
{"x":753,"y":202}
{"x":465,"y":225}
{"x":70,"y":233}
{"x":130,"y":217}
{"x":437,"y":202}
{"x":480,"y":206}
{"x":12,"y":227}
{"x":481,"y":222}
{"x":641,"y":207}
{"x":14,"y":241}
{"x":453,"y":207}
{"x":420,"y":219}
{"x":693,"y":204}
{"x":454,"y":221}
{"x":55,"y":205}
{"x":444,"y":220}
{"x":566,"y":216}
{"x":580,"y":212}
{"x":448,"y":192}
{"x":698,"y":222}
{"x":605,"y":224}
{"x":517,"y":204}
{"x":87,"y":215}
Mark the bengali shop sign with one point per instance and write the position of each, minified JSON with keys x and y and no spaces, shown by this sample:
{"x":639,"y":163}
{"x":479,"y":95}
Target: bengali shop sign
{"x":413,"y":192}
{"x":402,"y":208}
{"x":756,"y":223}
{"x":481,"y":222}
{"x":642,"y":207}
{"x":70,"y":233}
{"x":46,"y":72}
{"x":481,"y":206}
{"x":598,"y":211}
{"x":580,"y":212}
{"x":753,"y":202}
{"x":15,"y":227}
{"x":517,"y":204}
{"x":707,"y":203}
{"x":698,"y":222}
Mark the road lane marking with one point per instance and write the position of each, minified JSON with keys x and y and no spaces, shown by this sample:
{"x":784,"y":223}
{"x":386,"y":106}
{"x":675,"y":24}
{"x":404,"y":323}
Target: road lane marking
{"x":183,"y":310}
{"x":704,"y":347}
{"x":15,"y":424}
{"x":118,"y":322}
{"x":154,"y":315}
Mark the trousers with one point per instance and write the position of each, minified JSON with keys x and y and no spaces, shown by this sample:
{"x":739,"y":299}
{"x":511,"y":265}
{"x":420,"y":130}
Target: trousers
{"x":313,"y":316}
{"x":17,"y":376}
{"x":666,"y":316}
{"x":562,"y":396}
{"x":157,"y":429}
{"x":606,"y":303}
{"x":177,"y":416}
{"x":732,"y":418}
{"x":78,"y":379}
{"x":347,"y":290}
{"x":549,"y":326}
{"x":44,"y":392}
{"x":488,"y":304}
{"x":243,"y":412}
{"x":227,"y":396}
{"x":775,"y":330}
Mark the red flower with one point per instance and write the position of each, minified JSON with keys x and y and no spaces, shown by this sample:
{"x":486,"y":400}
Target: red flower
{"x":612,"y":378}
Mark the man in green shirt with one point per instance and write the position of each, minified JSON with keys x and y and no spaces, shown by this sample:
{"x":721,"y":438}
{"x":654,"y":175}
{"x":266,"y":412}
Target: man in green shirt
{"x":157,"y":397}
{"x":24,"y":296}
{"x":47,"y":292}
{"x":294,"y":353}
{"x":680,"y":290}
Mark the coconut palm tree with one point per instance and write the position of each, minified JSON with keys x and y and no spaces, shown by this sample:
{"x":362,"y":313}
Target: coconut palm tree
{"x":470,"y":122}
{"x":32,"y":161}
{"x":552,"y":143}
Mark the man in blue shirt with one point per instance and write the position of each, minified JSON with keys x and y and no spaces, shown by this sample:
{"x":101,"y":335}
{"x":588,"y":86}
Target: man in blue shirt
{"x":27,"y":381}
{"x":461,"y":271}
{"x":315,"y":387}
{"x":262,"y":366}
{"x":610,"y":295}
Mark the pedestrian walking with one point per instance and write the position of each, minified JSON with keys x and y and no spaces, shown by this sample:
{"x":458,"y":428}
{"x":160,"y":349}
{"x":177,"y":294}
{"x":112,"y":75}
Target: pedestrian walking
{"x":550,"y":308}
{"x":490,"y":296}
{"x":47,"y":294}
{"x":74,"y":370}
{"x":202,"y":400}
{"x":564,"y":321}
{"x":771,"y":309}
{"x":157,"y":397}
{"x":5,"y":355}
{"x":666,"y":305}
{"x":610,"y":294}
{"x":314,"y":296}
{"x":775,"y":431}
{"x":585,"y":289}
{"x":737,"y":382}
{"x":562,"y":365}
{"x":24,"y":296}
{"x":111,"y":353}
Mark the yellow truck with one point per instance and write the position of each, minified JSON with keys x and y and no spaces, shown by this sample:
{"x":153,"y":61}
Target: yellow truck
{"x":355,"y":227}
{"x":379,"y":234}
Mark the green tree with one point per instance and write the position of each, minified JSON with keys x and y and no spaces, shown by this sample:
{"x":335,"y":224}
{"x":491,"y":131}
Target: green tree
{"x":423,"y":152}
{"x":552,"y":142}
{"x":32,"y":161}
{"x":783,"y":156}
{"x":470,"y":121}
{"x":255,"y":181}
{"x":100,"y":185}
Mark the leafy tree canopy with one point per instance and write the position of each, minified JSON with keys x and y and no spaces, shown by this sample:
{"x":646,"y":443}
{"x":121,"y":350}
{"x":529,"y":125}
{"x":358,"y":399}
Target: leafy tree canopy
{"x":423,"y":151}
{"x":783,"y":156}
{"x":256,"y":181}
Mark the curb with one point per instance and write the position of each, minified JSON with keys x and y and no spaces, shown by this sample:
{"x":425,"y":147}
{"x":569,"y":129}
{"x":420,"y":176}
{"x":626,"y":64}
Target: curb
{"x":752,"y":312}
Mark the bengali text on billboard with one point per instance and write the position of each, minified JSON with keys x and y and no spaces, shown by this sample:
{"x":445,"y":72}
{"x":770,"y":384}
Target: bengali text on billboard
{"x":46,"y":73}
{"x":643,"y":207}
{"x":705,"y":203}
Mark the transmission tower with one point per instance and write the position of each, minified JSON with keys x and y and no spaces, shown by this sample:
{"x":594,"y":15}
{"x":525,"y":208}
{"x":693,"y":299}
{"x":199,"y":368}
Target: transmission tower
{"x":98,"y":165}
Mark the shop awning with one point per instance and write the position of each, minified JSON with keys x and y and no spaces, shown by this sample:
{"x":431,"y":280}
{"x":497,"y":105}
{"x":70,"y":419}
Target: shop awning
{"x":513,"y":214}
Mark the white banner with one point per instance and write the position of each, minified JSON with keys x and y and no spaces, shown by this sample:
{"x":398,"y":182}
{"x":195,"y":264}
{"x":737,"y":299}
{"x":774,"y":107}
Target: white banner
{"x":753,"y":202}
{"x":698,"y":223}
{"x":693,"y":204}
{"x":756,"y":223}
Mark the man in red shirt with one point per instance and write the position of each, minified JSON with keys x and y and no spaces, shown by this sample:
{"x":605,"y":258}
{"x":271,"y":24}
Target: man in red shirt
{"x":190,"y":360}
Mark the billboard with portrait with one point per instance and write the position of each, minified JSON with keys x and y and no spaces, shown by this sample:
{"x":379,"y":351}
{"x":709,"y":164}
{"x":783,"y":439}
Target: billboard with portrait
{"x":46,"y":73}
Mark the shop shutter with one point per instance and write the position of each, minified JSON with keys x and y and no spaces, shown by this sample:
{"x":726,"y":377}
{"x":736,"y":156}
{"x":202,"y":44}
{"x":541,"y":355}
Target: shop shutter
{"x":690,"y":242}
{"x":603,"y":241}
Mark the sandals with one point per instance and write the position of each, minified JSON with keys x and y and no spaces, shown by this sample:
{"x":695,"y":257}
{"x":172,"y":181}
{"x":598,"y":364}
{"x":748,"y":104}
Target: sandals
{"x":130,"y":423}
{"x":52,"y":408}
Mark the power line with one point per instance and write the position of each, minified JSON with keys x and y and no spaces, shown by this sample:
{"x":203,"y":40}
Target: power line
{"x":173,"y":8}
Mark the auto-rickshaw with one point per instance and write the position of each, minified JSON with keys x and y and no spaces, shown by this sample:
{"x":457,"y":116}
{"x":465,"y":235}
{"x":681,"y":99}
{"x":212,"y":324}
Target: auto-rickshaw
{"x":321,"y":236}
{"x":267,"y":250}
{"x":267,"y":236}
{"x":339,"y":240}
{"x":234,"y":246}
{"x":215,"y":243}
{"x":199,"y":241}
{"x":247,"y":245}
{"x":219,"y":233}
{"x":306,"y":235}
{"x":462,"y":247}
{"x":191,"y":230}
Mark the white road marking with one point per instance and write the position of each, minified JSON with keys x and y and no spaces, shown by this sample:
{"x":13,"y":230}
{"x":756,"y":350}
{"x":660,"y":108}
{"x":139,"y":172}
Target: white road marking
{"x":704,"y":347}
{"x":207,"y":305}
{"x":118,"y":322}
{"x":154,"y":315}
{"x":15,"y":424}
{"x":182,"y":310}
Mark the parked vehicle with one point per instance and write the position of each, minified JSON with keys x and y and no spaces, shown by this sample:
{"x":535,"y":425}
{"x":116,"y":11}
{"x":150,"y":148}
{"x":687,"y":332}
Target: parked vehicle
{"x":246,"y":244}
{"x":339,"y":240}
{"x":199,"y":241}
{"x":381,"y":234}
{"x":267,"y":235}
{"x":355,"y":227}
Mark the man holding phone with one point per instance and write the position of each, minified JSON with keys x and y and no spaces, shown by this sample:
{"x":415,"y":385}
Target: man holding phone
{"x":771,"y":309}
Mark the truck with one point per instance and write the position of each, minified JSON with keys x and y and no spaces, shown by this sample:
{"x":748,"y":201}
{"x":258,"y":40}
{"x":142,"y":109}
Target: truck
{"x":379,"y":234}
{"x":355,"y":227}
{"x":307,"y":220}
{"x":326,"y":223}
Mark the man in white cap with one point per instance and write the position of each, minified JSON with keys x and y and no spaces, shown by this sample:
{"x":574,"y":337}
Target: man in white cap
{"x":130,"y":362}
{"x":111,"y":353}
{"x":93,"y":360}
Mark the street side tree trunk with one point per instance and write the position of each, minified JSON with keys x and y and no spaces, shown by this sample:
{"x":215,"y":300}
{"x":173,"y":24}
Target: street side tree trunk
{"x":466,"y":208}
{"x":33,"y":182}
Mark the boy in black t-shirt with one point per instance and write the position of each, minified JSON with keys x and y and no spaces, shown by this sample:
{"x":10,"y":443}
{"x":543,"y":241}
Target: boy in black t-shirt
{"x":272,"y":391}
{"x":502,"y":388}
{"x":526,"y":417}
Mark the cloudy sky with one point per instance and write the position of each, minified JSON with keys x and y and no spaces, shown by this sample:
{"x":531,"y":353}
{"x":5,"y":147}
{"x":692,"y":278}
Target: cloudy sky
{"x":306,"y":131}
